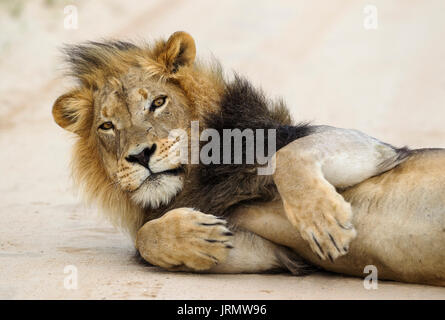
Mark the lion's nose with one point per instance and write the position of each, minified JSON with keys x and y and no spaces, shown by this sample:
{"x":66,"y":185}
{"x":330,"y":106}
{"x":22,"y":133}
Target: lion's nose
{"x":142,"y":157}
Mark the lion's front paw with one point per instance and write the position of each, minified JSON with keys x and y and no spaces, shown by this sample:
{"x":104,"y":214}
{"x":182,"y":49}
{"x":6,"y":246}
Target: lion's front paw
{"x":324,"y":220}
{"x":185,"y":237}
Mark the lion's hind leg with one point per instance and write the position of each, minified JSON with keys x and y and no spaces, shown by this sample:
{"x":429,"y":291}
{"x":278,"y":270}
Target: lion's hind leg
{"x":309,"y":170}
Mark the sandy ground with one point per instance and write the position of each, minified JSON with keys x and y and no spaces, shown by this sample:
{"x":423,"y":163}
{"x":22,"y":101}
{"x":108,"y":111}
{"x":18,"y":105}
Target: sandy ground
{"x":388,"y":82}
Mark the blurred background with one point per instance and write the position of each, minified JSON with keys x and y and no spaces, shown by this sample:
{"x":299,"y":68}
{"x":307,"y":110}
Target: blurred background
{"x":376,"y":66}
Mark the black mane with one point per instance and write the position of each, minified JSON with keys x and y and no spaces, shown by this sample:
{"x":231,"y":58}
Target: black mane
{"x":217,"y":188}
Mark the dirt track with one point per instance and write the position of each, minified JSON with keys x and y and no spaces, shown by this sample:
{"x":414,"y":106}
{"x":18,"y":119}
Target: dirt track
{"x":388,"y":82}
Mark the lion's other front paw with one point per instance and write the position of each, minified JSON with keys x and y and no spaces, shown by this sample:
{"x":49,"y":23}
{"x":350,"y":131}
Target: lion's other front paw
{"x":185,"y":238}
{"x":325,"y":221}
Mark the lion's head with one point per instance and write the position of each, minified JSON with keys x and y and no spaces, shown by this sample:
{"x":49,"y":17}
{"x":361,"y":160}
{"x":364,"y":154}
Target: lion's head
{"x":127,"y":100}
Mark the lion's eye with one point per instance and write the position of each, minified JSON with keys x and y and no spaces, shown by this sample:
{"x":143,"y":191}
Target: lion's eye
{"x":106,"y":125}
{"x":158,"y":102}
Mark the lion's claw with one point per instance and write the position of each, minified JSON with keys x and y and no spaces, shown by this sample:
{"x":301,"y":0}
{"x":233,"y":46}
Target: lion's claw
{"x":185,"y":237}
{"x":323,"y":221}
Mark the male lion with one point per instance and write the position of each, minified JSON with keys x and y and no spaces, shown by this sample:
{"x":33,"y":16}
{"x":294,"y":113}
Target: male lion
{"x":327,"y":180}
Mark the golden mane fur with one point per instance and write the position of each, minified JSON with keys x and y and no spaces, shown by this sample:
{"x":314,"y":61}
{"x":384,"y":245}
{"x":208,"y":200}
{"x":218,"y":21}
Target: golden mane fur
{"x":92,"y":65}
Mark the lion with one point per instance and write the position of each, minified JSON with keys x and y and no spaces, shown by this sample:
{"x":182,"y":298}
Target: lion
{"x":338,"y":199}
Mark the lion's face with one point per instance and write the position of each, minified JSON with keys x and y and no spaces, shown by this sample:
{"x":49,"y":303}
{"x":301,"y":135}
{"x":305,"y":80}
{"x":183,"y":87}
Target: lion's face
{"x":127,"y":101}
{"x":133,"y":118}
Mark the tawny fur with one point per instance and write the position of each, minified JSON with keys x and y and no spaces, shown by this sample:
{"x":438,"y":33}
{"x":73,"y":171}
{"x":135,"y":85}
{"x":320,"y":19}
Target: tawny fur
{"x":117,"y":79}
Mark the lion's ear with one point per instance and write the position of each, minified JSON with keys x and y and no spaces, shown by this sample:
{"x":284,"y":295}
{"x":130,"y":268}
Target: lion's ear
{"x":179,"y":51}
{"x":73,"y":111}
